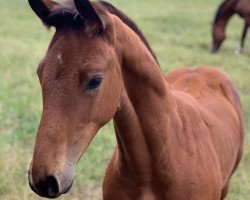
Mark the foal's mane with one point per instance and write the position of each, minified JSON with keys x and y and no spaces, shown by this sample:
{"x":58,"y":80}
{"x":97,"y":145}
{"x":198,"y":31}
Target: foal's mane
{"x":66,"y":15}
{"x":115,"y":11}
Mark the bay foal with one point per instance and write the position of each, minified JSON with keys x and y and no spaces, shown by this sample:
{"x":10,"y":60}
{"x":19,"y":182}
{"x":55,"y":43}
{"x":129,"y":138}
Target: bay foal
{"x":226,"y":10}
{"x":179,"y":136}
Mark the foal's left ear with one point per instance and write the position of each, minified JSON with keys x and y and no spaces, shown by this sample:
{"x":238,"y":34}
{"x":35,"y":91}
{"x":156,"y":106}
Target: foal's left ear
{"x":92,"y":14}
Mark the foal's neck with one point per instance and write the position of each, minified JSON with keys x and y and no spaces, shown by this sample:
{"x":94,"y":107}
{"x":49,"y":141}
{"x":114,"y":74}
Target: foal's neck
{"x":145,"y":118}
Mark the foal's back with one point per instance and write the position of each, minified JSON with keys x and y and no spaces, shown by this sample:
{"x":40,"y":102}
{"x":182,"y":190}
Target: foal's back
{"x":218,"y":102}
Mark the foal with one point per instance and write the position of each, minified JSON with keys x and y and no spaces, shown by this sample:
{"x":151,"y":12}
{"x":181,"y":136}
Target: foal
{"x":226,"y":10}
{"x":179,"y":136}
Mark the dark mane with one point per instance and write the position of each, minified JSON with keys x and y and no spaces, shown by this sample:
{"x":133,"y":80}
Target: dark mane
{"x":225,"y":10}
{"x":67,"y":15}
{"x":115,"y":11}
{"x":219,"y":11}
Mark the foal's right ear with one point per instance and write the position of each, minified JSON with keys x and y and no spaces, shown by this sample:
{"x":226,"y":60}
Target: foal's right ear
{"x":92,"y":14}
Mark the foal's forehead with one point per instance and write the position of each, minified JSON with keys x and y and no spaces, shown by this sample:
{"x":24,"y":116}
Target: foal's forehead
{"x":74,"y":40}
{"x":74,"y":51}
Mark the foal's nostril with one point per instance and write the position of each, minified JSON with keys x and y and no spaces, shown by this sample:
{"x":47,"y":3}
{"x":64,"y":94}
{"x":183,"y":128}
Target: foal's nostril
{"x":47,"y":188}
{"x":52,"y":186}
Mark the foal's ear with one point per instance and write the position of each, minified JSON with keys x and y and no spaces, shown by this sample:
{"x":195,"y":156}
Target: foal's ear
{"x":43,"y":8}
{"x":93,"y":16}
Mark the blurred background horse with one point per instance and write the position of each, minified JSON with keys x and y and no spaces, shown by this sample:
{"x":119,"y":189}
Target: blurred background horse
{"x":224,"y":13}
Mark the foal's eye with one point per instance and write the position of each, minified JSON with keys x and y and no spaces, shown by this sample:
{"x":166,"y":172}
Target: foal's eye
{"x":94,"y":83}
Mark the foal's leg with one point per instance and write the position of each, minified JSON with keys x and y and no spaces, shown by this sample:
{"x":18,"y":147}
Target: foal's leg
{"x":225,"y":190}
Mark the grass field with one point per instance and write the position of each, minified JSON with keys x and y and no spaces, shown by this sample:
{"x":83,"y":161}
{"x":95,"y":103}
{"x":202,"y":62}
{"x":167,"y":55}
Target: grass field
{"x":179,"y":32}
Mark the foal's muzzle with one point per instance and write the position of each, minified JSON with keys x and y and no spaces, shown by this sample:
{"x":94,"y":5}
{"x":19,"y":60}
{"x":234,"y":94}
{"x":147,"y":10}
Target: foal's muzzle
{"x":50,"y":187}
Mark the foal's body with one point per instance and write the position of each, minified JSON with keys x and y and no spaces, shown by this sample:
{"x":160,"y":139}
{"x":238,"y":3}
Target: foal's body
{"x":174,"y":143}
{"x":183,"y":155}
{"x":179,"y":136}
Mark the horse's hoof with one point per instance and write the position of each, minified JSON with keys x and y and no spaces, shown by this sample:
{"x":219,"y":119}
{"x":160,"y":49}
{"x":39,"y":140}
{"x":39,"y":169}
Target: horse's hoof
{"x":238,"y":52}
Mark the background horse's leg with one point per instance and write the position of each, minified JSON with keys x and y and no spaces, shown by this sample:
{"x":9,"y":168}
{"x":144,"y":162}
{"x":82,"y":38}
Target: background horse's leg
{"x":244,"y":34}
{"x":243,"y":39}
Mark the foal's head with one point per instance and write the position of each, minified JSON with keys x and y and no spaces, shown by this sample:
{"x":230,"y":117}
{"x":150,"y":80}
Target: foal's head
{"x":81,"y":86}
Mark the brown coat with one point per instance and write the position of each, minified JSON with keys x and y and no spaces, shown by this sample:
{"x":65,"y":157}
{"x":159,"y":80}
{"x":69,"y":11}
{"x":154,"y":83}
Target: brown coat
{"x":179,"y":135}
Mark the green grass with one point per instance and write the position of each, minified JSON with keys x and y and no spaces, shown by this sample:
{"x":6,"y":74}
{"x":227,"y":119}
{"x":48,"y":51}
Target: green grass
{"x":179,"y":32}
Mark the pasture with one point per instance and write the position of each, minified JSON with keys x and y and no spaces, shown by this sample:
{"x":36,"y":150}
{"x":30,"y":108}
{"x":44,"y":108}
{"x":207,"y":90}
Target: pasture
{"x":179,"y":33}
